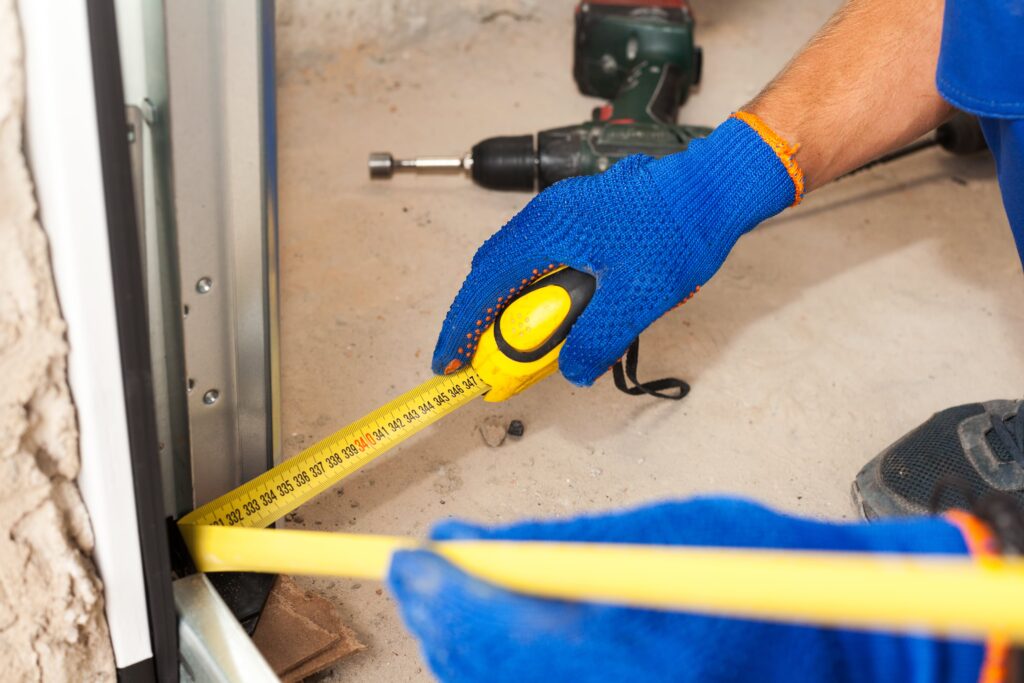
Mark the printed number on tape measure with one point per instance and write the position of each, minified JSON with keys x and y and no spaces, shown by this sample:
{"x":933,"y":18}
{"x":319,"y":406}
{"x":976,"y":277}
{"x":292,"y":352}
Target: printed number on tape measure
{"x":265,"y":499}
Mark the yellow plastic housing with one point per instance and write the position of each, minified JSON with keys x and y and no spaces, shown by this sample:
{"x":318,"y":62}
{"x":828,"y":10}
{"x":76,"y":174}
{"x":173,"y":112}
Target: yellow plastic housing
{"x":526,"y":325}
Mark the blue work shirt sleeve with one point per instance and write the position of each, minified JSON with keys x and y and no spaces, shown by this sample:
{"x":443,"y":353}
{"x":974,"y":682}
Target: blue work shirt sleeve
{"x":981,"y":64}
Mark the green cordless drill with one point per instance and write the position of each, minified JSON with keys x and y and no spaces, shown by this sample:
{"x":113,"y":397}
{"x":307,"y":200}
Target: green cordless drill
{"x":641,"y":56}
{"x":638,"y":54}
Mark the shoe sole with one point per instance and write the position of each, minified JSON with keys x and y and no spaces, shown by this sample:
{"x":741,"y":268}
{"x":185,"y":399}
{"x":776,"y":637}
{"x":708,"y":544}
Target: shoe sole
{"x":863,"y":509}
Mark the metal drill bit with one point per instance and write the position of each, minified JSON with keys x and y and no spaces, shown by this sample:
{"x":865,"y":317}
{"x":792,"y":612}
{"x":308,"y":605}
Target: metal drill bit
{"x":383,"y":165}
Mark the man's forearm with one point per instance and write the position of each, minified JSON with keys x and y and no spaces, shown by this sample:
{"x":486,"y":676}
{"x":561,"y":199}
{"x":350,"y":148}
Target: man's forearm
{"x":864,"y":85}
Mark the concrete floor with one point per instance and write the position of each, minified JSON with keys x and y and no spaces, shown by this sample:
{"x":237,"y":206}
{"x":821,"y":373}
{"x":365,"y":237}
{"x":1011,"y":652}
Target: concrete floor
{"x":831,"y":331}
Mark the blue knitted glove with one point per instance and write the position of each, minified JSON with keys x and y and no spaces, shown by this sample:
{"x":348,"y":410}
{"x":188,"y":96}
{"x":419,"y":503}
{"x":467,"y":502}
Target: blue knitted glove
{"x":473,"y":631}
{"x":651,"y":231}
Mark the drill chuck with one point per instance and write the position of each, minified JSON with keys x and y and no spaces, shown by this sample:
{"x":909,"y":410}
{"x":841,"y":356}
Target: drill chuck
{"x":505,"y":163}
{"x":500,"y":163}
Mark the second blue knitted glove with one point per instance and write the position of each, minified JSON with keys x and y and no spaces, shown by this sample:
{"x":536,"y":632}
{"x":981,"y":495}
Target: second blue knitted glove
{"x":473,"y":631}
{"x":651,"y":231}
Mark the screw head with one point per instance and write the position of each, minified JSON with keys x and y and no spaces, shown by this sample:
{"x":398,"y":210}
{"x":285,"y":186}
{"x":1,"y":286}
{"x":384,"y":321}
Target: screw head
{"x":210,"y":397}
{"x":204,"y":285}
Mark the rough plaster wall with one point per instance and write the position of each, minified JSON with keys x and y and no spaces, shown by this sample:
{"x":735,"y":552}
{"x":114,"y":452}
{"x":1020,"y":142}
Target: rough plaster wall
{"x":51,"y":602}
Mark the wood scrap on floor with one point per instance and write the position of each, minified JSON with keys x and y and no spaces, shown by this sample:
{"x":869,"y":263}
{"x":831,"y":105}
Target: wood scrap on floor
{"x":300,"y":633}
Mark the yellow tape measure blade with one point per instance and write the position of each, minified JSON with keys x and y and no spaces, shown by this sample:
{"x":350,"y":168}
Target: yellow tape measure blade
{"x":263,"y":500}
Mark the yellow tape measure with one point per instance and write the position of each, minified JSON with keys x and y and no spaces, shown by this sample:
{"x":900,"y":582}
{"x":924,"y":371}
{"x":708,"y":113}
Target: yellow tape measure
{"x":912,"y":593}
{"x":261,"y":501}
{"x":518,"y":349}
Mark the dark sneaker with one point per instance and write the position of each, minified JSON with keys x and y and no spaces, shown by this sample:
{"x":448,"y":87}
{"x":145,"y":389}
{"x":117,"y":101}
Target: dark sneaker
{"x":954,"y":458}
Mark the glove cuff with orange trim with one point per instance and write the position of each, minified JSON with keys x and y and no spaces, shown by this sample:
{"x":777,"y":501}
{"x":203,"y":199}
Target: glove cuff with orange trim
{"x":652,"y":231}
{"x":984,"y":547}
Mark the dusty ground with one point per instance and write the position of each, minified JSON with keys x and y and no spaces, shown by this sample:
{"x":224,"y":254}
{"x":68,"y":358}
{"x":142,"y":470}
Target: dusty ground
{"x":831,"y":331}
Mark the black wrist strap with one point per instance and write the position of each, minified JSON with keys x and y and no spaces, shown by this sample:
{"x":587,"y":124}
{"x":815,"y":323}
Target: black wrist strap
{"x":670,"y":388}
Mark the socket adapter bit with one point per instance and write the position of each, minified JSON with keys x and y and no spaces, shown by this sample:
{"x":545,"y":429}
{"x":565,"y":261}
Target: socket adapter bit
{"x":383,"y":165}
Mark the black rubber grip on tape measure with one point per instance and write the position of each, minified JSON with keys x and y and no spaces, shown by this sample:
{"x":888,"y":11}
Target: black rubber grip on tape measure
{"x":580,"y":287}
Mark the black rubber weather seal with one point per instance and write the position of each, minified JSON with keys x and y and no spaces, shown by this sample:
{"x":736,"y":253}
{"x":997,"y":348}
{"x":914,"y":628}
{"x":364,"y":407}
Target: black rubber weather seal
{"x":133,"y":343}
